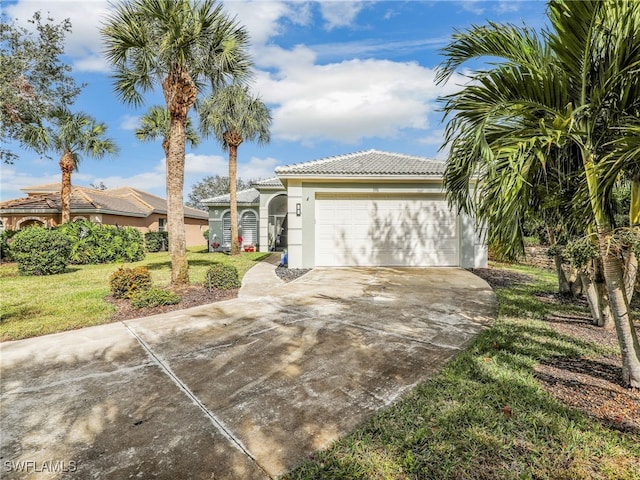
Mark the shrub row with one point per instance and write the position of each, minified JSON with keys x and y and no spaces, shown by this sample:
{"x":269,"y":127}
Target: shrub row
{"x":40,"y":251}
{"x":93,"y":243}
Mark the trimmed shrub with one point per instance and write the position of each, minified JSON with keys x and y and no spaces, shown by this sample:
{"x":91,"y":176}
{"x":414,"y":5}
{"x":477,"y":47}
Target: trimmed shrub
{"x":154,"y":297}
{"x":125,"y":282}
{"x":5,"y":242}
{"x":156,"y":241}
{"x":222,"y":276}
{"x":93,"y":243}
{"x":40,"y":251}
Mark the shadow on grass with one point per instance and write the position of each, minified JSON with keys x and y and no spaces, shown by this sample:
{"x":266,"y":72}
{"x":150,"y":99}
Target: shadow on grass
{"x":485,"y":416}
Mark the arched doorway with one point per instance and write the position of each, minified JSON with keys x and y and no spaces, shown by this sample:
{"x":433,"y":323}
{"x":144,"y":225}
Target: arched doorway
{"x":277,"y":223}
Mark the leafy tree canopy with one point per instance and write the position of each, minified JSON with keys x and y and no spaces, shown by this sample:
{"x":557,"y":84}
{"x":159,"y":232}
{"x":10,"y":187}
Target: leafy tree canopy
{"x":33,"y":78}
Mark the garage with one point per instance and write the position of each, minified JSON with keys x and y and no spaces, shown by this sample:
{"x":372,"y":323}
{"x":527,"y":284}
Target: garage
{"x":385,"y":230}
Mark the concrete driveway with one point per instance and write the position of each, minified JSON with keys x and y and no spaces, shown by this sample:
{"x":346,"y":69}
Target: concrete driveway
{"x":241,"y":389}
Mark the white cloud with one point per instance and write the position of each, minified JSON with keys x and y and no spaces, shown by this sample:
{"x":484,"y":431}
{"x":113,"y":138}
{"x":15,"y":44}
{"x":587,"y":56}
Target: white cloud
{"x":507,"y":6}
{"x":340,"y":14}
{"x":350,"y":100}
{"x":472,"y":6}
{"x":83,"y":44}
{"x":263,"y":18}
{"x":130,"y":122}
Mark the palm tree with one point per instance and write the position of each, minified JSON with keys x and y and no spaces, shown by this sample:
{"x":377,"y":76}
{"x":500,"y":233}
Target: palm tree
{"x":157,"y":124}
{"x":232,"y":115}
{"x":572,"y":92}
{"x":185,"y":47}
{"x":69,"y":134}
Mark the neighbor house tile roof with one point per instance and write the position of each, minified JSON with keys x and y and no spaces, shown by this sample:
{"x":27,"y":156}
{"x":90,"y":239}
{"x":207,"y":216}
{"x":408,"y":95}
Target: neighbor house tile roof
{"x":250,"y":196}
{"x":370,"y":162}
{"x":273,"y":182}
{"x":124,"y":201}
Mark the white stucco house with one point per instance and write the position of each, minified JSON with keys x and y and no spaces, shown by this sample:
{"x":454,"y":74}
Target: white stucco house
{"x":369,"y":208}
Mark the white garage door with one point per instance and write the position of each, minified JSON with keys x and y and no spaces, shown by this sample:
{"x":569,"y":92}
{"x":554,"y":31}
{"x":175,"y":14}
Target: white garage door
{"x":385,"y":230}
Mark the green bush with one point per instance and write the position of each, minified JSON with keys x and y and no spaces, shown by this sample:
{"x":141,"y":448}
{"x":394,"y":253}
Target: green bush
{"x":125,"y":282}
{"x":153,"y":298}
{"x":93,"y":243}
{"x":222,"y":276}
{"x":5,"y":250}
{"x":40,"y":251}
{"x":156,"y":241}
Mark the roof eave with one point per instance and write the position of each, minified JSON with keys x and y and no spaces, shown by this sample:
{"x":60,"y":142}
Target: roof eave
{"x":351,"y":177}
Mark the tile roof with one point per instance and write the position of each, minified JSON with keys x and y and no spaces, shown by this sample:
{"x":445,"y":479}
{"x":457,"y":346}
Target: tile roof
{"x":273,"y":182}
{"x":249,"y":196}
{"x":370,"y":162}
{"x":125,"y":201}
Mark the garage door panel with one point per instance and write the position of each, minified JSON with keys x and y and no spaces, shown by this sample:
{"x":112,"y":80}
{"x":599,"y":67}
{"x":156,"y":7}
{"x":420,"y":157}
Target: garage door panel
{"x":352,"y":230}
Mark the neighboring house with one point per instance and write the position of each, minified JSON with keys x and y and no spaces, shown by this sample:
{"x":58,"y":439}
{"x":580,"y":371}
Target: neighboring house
{"x":369,"y":208}
{"x":123,"y":206}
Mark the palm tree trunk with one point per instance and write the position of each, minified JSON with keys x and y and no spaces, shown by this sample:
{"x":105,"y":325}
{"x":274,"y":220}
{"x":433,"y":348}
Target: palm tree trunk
{"x":627,"y":338}
{"x":592,"y":296}
{"x":563,"y":283}
{"x":175,"y":204}
{"x":233,"y":200}
{"x":630,"y":274}
{"x":66,"y":167}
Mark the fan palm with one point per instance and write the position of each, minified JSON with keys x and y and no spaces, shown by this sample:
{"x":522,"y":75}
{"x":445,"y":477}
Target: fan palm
{"x":572,"y":92}
{"x":70,"y":135}
{"x":232,"y":115}
{"x":157,"y":124}
{"x":185,"y":47}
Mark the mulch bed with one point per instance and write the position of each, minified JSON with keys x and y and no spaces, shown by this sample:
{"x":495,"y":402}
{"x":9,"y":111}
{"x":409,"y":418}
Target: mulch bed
{"x":192,"y":296}
{"x":590,"y":384}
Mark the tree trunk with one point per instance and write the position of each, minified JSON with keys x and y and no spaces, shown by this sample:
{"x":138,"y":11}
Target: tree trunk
{"x":630,"y":274}
{"x":563,"y":283}
{"x":592,"y":296}
{"x":627,"y":338}
{"x":233,"y":199}
{"x":67,"y":165}
{"x":175,"y":204}
{"x":606,"y":317}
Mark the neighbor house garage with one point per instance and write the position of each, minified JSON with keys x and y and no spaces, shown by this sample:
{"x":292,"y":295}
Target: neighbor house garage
{"x":369,"y":208}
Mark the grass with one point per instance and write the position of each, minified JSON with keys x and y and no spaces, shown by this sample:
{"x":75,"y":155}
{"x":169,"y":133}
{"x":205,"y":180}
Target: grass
{"x":485,"y":416}
{"x":32,"y":306}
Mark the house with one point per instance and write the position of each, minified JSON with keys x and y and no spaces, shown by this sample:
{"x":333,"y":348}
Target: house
{"x":123,"y":206}
{"x":369,"y":208}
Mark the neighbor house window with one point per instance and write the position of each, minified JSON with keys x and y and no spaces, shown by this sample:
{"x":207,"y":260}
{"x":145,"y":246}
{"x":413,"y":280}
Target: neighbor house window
{"x":162,"y":224}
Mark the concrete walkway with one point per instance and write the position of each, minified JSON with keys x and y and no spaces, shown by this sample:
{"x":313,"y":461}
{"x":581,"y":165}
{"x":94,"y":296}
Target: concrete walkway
{"x":241,"y":389}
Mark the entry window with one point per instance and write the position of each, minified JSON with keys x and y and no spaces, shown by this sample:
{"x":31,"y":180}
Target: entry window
{"x":162,"y":224}
{"x":226,"y":229}
{"x":249,"y":228}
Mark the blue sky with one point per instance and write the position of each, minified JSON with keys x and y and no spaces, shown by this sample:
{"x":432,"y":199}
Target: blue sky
{"x":338,"y":77}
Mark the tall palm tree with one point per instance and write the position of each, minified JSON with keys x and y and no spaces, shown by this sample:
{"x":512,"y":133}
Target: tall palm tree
{"x":184,"y":46}
{"x":70,"y":135}
{"x":572,"y":92}
{"x":232,"y":115}
{"x":157,"y":124}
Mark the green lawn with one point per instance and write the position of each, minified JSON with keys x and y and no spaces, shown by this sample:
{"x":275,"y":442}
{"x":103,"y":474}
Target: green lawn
{"x":485,"y":416}
{"x":32,"y":306}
